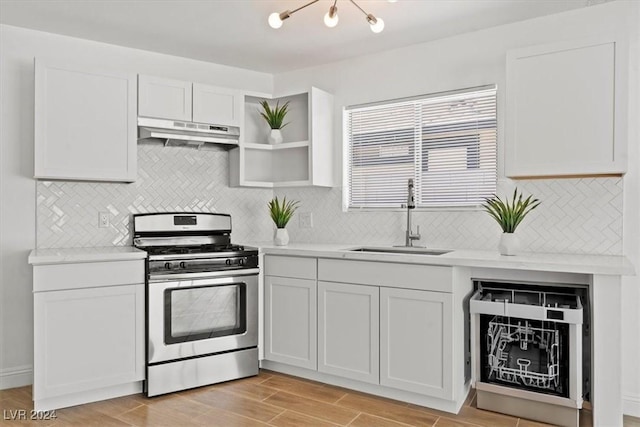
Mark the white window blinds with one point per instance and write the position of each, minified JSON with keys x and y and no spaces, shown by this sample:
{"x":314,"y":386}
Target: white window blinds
{"x":446,"y":142}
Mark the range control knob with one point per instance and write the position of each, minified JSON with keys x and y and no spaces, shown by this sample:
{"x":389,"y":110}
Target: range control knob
{"x":167,"y":265}
{"x":241,"y":261}
{"x":227,"y":261}
{"x":183,"y":265}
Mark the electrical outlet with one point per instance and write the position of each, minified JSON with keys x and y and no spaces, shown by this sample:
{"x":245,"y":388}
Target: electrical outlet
{"x":306,"y":220}
{"x":103,"y":219}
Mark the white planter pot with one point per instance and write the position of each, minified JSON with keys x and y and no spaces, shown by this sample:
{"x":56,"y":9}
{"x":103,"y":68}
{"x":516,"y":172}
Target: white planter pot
{"x":509,"y":244}
{"x":281,"y":238}
{"x":275,"y":136}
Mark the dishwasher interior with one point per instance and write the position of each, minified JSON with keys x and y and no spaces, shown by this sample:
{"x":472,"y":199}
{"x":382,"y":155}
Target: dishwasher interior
{"x":531,"y":342}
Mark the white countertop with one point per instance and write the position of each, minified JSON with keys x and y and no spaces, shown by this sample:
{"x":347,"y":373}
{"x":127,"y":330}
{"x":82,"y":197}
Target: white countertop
{"x":568,"y":263}
{"x":75,"y":255}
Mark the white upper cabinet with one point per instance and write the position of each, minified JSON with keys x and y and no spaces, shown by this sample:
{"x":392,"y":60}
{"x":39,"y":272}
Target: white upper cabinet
{"x":566,"y":110}
{"x":164,"y":98}
{"x":85,"y":123}
{"x":179,"y":100}
{"x":217,"y":105}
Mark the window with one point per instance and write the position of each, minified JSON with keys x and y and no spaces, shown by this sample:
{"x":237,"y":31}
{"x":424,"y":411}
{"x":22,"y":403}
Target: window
{"x":446,"y":142}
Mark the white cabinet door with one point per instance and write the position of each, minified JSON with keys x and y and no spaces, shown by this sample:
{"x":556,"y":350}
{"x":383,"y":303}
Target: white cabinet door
{"x":290,"y":321}
{"x":565,"y":110}
{"x":416,"y":341}
{"x":87,"y":339}
{"x":164,"y":98}
{"x":85,"y":123}
{"x":216,"y":105}
{"x":348,"y":331}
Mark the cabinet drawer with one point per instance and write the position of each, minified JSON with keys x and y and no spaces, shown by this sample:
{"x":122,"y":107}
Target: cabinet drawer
{"x":290,"y":266}
{"x":53,"y":277}
{"x":393,"y":275}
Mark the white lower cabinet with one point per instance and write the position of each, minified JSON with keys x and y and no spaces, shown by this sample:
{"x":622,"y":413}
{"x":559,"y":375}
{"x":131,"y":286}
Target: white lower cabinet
{"x":415,"y":341}
{"x":290,"y":321}
{"x":348,"y":331}
{"x":392,"y":329}
{"x":88,"y":338}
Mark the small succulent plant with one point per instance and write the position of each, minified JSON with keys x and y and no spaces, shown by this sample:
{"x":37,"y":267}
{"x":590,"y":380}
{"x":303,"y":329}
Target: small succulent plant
{"x":282,"y":211}
{"x":510,"y":213}
{"x":275,"y":116}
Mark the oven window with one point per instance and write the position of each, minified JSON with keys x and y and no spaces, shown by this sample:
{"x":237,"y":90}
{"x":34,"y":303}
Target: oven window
{"x":203,"y":312}
{"x":527,"y":354}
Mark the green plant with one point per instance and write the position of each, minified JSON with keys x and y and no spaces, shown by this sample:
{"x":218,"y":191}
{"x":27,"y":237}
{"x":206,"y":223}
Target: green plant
{"x":282,"y":211}
{"x":275,"y":117}
{"x":510,"y":215}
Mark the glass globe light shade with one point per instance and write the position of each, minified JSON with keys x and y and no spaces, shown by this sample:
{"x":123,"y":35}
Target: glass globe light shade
{"x":330,"y":21}
{"x":275,"y":21}
{"x":378,"y":26}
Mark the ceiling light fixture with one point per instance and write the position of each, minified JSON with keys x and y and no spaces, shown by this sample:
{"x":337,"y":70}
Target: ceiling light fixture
{"x":330,"y":18}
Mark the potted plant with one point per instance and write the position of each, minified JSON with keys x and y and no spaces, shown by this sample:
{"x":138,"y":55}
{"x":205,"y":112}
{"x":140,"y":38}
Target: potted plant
{"x":509,"y":214}
{"x":281,"y":212}
{"x":275,"y":119}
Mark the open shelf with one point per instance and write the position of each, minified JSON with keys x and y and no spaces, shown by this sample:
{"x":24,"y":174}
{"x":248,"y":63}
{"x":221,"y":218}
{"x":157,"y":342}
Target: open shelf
{"x":281,"y":146}
{"x":263,"y":184}
{"x":304,"y":158}
{"x":271,"y":166}
{"x":256,"y":128}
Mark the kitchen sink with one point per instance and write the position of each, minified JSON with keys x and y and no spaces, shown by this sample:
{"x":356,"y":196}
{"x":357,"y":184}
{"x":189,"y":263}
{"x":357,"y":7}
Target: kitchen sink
{"x":401,"y":250}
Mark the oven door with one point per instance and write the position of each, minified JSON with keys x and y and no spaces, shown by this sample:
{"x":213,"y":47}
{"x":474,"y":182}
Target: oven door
{"x":197,"y":317}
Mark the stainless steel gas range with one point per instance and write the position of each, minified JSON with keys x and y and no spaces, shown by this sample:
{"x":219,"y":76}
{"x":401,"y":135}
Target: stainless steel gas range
{"x":202,"y":301}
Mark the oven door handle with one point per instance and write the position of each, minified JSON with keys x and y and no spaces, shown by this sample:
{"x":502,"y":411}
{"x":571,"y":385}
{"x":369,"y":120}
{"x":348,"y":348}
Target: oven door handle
{"x":203,"y":275}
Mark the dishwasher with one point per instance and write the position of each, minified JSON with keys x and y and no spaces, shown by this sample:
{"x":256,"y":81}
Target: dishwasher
{"x":528,"y":357}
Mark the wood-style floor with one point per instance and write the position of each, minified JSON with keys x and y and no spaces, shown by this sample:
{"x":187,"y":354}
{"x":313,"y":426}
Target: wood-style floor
{"x":270,"y":399}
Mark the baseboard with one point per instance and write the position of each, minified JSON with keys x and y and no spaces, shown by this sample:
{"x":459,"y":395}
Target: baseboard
{"x":19,"y":376}
{"x":88,"y":396}
{"x":631,"y":405}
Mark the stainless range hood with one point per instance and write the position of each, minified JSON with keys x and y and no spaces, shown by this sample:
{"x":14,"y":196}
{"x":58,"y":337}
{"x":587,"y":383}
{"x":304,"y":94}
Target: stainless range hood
{"x":173,"y":132}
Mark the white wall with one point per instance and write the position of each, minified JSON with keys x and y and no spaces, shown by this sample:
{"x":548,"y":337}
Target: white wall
{"x":475,"y":59}
{"x":18,"y":47}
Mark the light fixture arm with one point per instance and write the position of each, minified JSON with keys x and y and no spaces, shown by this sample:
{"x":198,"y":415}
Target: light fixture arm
{"x":362,"y":10}
{"x":291,"y":12}
{"x":376,"y":24}
{"x":333,"y":9}
{"x":276,"y":19}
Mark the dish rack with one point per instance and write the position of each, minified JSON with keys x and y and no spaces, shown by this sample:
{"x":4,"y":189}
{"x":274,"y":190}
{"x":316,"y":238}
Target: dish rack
{"x":514,"y":345}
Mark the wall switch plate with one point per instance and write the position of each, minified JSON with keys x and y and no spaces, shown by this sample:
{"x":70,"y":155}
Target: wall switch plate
{"x":306,"y":220}
{"x":103,"y":219}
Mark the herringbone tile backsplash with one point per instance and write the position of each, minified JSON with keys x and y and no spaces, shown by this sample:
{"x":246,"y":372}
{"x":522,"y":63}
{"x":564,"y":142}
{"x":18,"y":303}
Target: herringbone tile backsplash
{"x":576,"y":215}
{"x":170,"y":179}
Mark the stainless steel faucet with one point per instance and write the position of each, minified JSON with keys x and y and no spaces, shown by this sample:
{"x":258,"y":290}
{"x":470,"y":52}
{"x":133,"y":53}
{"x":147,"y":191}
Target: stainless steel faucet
{"x":411,"y":204}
